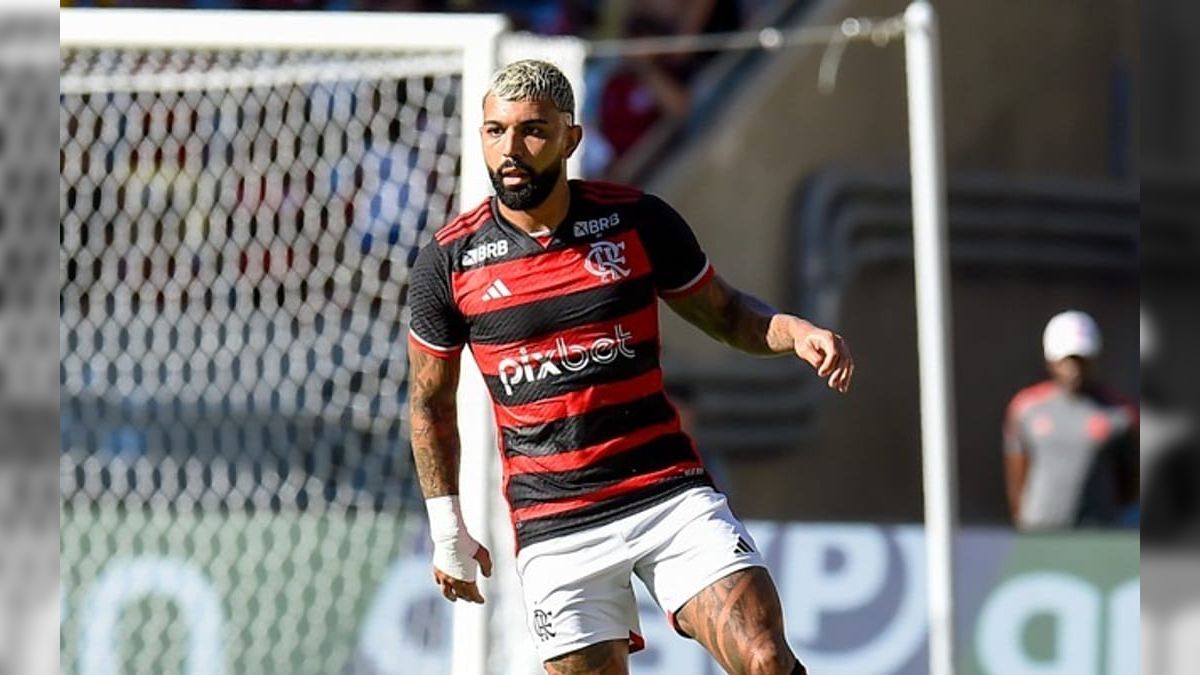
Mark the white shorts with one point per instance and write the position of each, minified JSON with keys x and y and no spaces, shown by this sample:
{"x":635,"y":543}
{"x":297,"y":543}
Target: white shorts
{"x":578,"y":587}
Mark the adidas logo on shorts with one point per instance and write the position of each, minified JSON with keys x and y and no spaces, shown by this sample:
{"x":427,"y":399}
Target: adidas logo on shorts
{"x":742,"y":547}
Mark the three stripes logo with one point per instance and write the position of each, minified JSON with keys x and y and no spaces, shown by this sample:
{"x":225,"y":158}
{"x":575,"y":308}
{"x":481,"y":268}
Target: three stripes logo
{"x":496,"y":290}
{"x":742,"y":547}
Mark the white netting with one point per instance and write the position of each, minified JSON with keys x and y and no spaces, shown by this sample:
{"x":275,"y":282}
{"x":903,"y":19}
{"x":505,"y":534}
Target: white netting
{"x":236,"y":233}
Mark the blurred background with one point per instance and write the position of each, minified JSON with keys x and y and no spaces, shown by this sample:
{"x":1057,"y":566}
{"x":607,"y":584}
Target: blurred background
{"x":29,"y":554}
{"x":28,"y":355}
{"x":235,"y":230}
{"x":1170,"y":176}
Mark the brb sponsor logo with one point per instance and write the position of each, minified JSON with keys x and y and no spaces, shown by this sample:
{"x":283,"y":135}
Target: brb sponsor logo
{"x":483,"y":252}
{"x":564,"y":358}
{"x":585,"y":228}
{"x":606,"y":260}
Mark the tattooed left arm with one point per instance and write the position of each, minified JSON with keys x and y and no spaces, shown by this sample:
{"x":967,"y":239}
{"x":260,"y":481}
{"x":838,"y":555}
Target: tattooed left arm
{"x":748,"y":324}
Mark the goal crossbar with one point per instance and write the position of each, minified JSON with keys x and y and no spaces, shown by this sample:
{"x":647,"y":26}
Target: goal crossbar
{"x":249,"y":29}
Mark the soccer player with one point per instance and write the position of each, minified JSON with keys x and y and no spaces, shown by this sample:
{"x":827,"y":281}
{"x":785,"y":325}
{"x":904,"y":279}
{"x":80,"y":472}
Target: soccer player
{"x":554,"y":285}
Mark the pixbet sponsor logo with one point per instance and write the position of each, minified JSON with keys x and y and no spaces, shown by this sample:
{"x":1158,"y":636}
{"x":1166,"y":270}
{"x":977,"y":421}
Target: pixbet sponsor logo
{"x":564,"y":358}
{"x":584,"y":228}
{"x":483,"y":252}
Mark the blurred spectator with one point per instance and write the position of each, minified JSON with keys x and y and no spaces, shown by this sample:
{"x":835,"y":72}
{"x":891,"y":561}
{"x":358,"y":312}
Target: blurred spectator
{"x":645,"y":89}
{"x":639,"y":94}
{"x":573,"y":17}
{"x":1070,"y":443}
{"x":546,"y":17}
{"x":394,"y":5}
{"x":699,"y":17}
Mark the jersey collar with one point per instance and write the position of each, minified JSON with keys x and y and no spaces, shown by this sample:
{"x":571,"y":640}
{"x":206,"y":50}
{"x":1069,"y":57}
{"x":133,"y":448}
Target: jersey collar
{"x":558,"y":234}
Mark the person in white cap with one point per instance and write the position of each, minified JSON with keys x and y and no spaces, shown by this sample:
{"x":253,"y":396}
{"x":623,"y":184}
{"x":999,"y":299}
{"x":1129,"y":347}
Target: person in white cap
{"x":1070,"y":443}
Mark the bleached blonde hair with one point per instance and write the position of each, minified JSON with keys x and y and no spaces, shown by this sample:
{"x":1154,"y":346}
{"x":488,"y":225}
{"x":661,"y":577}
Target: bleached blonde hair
{"x":533,"y":80}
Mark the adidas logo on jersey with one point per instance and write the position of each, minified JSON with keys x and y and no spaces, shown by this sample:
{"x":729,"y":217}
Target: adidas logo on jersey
{"x":584,"y":228}
{"x":497,"y":289}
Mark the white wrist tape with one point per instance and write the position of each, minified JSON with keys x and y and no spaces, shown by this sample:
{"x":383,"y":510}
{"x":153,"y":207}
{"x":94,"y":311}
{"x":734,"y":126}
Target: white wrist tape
{"x":453,"y":547}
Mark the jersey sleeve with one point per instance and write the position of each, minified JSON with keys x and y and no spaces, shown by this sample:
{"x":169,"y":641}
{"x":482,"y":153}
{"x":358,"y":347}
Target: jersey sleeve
{"x":1014,"y":442}
{"x":435,"y":325}
{"x":680,"y":265}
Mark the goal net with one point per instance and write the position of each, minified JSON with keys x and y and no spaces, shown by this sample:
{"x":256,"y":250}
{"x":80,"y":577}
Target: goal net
{"x":241,"y":197}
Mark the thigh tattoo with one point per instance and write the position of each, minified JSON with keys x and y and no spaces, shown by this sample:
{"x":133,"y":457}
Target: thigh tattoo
{"x":735,"y":617}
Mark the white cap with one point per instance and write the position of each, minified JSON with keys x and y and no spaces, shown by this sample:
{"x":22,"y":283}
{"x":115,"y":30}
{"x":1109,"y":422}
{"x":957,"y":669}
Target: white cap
{"x":1071,"y":333}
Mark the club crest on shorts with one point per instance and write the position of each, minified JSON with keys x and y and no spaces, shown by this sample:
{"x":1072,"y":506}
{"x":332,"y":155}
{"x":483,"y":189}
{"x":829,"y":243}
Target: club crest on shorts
{"x":607,"y":261}
{"x":541,"y":625}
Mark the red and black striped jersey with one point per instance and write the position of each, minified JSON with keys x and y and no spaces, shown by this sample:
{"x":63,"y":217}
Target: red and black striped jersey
{"x":565,"y":332}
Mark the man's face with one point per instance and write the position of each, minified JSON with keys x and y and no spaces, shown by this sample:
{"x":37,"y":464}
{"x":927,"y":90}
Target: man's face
{"x":525,"y":145}
{"x":1073,"y":373}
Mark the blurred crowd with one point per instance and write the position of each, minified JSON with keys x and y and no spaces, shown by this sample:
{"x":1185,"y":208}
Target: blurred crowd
{"x":635,"y":93}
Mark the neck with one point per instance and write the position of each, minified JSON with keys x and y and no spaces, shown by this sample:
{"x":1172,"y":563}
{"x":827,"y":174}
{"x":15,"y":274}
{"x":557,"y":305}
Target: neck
{"x":544,"y":216}
{"x":1087,"y":388}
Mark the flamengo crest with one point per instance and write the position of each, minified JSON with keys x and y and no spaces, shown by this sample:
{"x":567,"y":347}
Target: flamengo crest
{"x":607,"y":261}
{"x":541,"y":625}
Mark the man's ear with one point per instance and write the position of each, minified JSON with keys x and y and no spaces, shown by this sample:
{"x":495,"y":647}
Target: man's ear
{"x":574,"y":138}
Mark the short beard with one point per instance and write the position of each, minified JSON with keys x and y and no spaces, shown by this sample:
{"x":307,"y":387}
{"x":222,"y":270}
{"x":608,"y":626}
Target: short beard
{"x":531,"y":194}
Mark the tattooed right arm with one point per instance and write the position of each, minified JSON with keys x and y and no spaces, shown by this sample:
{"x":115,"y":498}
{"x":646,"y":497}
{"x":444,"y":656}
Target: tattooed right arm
{"x":433,"y":414}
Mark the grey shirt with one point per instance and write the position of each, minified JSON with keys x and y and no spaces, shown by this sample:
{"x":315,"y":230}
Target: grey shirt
{"x":1081,"y":449}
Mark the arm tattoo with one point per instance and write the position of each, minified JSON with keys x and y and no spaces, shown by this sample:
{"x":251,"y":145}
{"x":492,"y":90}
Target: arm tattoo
{"x":738,"y":319}
{"x":433,"y":416}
